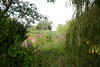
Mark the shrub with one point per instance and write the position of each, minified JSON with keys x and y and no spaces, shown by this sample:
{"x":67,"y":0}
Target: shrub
{"x":19,"y":56}
{"x":11,"y":32}
{"x":22,"y":55}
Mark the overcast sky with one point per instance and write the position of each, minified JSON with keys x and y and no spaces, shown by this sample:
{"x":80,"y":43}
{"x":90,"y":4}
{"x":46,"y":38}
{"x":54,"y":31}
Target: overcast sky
{"x":57,"y":12}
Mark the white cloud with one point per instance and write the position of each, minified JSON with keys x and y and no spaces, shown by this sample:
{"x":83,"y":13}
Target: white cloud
{"x":57,"y":12}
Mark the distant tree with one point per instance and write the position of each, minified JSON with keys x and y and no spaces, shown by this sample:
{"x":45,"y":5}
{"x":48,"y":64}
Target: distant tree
{"x":51,"y":1}
{"x":44,"y":25}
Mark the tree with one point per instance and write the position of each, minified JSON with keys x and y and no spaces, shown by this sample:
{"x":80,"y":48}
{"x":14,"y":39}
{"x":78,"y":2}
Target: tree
{"x":79,"y":5}
{"x":44,"y":25}
{"x":4,"y":4}
{"x":20,"y":9}
{"x":51,"y":1}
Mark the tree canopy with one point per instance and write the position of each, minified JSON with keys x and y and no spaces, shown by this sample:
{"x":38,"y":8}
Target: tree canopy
{"x":44,"y":25}
{"x":84,"y":5}
{"x":20,"y":9}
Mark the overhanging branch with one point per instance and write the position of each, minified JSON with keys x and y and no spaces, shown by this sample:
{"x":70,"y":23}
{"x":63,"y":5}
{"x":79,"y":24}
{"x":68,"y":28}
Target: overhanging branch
{"x":7,"y":7}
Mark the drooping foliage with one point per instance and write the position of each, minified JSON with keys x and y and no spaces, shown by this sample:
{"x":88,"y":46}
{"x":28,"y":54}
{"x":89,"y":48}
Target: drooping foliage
{"x":83,"y":36}
{"x":83,"y":5}
{"x":83,"y":39}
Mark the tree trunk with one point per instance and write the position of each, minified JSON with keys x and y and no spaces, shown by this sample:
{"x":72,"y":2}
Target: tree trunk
{"x":7,"y":7}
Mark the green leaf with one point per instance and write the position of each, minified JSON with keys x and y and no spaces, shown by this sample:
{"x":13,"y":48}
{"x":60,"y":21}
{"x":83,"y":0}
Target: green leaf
{"x":31,"y":4}
{"x":98,"y":51}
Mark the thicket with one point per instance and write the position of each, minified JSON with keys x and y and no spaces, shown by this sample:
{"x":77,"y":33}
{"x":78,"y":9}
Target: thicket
{"x":12,"y":33}
{"x":84,"y":33}
{"x":83,"y":39}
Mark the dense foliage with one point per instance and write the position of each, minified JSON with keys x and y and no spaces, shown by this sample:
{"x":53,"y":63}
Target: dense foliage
{"x":83,"y":35}
{"x":20,"y":9}
{"x":83,"y":39}
{"x":53,"y":52}
{"x":11,"y":32}
{"x":19,"y":55}
{"x":76,"y":44}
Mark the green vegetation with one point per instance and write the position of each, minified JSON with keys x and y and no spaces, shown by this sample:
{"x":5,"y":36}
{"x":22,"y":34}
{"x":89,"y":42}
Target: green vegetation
{"x":44,"y":25}
{"x":11,"y":32}
{"x":53,"y":51}
{"x":76,"y":44}
{"x":82,"y":39}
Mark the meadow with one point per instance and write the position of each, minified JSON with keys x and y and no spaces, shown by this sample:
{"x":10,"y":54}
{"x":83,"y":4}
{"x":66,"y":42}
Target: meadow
{"x":50,"y":50}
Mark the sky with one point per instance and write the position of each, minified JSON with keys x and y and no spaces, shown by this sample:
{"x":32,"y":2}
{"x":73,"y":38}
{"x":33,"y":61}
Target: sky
{"x":57,"y":12}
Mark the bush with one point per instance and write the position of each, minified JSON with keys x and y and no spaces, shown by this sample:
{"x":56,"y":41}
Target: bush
{"x":11,"y":32}
{"x":19,"y":55}
{"x":22,"y":55}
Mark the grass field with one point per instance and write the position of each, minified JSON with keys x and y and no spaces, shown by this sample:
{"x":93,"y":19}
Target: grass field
{"x":52,"y":51}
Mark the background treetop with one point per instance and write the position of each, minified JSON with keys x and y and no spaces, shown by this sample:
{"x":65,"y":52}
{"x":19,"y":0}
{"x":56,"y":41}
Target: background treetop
{"x":44,"y":25}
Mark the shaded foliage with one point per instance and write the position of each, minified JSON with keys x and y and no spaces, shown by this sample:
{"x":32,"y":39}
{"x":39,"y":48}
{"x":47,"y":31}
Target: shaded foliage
{"x":11,"y":32}
{"x":80,"y":36}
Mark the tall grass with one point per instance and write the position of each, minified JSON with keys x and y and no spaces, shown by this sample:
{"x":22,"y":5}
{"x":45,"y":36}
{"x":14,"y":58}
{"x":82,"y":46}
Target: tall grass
{"x":53,"y":53}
